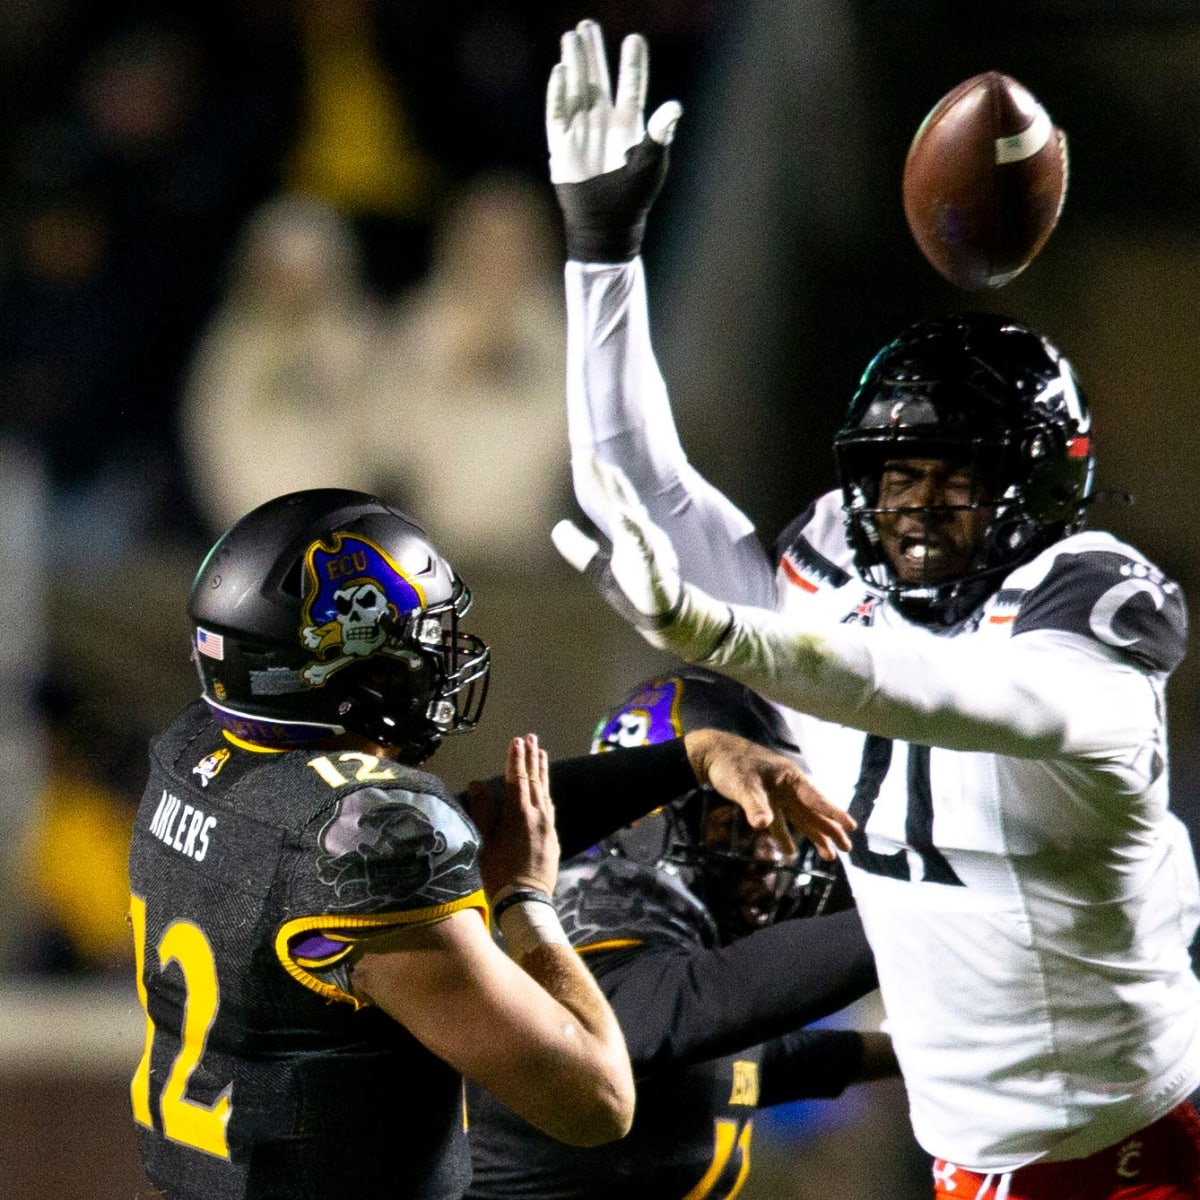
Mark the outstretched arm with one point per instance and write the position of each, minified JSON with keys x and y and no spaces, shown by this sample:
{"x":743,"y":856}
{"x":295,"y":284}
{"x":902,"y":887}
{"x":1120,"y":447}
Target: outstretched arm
{"x":686,"y":1006}
{"x":596,"y":794}
{"x":607,"y":165}
{"x":1019,"y":697}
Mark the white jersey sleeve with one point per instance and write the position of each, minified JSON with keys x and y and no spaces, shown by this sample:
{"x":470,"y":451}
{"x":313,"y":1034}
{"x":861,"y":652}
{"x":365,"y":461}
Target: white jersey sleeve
{"x":618,"y":410}
{"x":1087,"y":626}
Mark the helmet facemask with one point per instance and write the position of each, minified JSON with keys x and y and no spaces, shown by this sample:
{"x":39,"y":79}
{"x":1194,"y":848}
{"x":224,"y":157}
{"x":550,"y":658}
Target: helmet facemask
{"x":747,"y":879}
{"x":937,"y":560}
{"x":987,"y":398}
{"x":436,"y":690}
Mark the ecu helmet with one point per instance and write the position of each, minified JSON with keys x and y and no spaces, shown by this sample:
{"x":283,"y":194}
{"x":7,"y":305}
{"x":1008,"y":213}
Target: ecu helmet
{"x":982,"y":390}
{"x":677,"y":837}
{"x":326,"y":612}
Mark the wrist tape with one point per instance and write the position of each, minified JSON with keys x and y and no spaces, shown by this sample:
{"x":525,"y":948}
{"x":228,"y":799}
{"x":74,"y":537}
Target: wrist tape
{"x":605,"y":216}
{"x":527,"y":919}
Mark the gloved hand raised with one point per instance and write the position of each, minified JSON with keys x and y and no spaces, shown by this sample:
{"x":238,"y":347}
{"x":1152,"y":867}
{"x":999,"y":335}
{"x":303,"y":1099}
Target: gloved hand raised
{"x":639,"y":574}
{"x":606,"y":163}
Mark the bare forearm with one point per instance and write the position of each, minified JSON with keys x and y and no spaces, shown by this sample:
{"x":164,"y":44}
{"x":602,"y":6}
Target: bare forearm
{"x":535,"y":1036}
{"x":592,"y":1049}
{"x":560,"y":972}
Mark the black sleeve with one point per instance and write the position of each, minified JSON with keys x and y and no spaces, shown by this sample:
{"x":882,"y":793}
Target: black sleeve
{"x":1109,"y":595}
{"x":684,"y":1005}
{"x":597,"y":794}
{"x":809,"y":1064}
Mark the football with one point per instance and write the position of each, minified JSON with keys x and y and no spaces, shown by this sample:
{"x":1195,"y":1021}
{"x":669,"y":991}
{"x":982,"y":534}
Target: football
{"x":984,"y":181}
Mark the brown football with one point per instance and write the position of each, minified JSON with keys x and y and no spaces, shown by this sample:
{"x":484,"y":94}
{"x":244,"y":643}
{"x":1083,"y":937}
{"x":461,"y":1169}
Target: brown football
{"x":984,"y":181}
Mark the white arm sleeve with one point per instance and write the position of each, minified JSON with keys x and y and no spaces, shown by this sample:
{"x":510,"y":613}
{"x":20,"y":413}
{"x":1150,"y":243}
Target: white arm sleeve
{"x":618,"y":410}
{"x":1044,"y":694}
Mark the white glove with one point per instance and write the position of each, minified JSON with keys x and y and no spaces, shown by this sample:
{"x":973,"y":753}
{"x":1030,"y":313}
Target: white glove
{"x":587,"y":132}
{"x":639,"y":575}
{"x":606,"y":168}
{"x":642,"y":560}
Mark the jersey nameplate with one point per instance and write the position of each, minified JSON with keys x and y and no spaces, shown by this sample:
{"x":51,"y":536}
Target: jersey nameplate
{"x":182,"y":827}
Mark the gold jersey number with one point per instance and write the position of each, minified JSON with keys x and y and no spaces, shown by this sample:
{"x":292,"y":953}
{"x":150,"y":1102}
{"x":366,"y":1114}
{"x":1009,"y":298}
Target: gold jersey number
{"x":197,"y":1125}
{"x":725,"y":1138}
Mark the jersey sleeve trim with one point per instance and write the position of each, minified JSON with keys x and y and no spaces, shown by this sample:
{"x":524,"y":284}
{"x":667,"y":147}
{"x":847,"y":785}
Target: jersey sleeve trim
{"x":349,"y":932}
{"x":610,"y":944}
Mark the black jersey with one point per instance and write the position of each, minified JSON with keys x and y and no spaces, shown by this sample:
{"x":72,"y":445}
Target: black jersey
{"x":712,"y":1032}
{"x":254,"y":874}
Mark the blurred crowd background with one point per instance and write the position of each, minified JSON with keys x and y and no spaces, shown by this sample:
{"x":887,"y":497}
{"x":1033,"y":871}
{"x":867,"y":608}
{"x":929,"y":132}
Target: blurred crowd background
{"x":248,"y":246}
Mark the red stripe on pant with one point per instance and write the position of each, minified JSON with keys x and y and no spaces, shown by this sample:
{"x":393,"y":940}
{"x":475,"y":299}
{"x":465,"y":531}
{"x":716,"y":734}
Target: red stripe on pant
{"x":1160,"y":1162}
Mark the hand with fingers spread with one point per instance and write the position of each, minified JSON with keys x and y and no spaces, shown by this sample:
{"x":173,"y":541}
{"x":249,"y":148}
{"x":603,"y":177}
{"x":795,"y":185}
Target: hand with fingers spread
{"x":768,"y":786}
{"x":606,"y":162}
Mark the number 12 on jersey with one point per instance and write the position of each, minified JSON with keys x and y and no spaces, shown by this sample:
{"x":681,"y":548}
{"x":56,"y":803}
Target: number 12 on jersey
{"x":197,"y":1125}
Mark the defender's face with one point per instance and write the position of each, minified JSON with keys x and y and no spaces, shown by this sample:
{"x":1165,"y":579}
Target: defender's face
{"x":932,"y":518}
{"x":758,"y":869}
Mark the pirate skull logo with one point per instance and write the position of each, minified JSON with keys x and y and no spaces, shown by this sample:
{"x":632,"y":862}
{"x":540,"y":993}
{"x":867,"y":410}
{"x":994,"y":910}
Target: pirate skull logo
{"x":358,"y":601}
{"x":361,"y":609}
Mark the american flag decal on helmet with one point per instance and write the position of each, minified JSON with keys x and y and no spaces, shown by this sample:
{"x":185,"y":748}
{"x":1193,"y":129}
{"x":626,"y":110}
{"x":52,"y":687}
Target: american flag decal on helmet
{"x":212,"y":645}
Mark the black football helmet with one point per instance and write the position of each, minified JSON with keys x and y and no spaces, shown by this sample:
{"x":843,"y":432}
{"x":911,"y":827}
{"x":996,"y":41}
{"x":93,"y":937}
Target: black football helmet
{"x":983,"y":391}
{"x":326,"y":612}
{"x":701,"y":836}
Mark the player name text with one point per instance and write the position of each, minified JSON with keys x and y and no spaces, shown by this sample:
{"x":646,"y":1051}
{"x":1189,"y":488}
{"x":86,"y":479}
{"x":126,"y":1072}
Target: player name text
{"x":183,"y":827}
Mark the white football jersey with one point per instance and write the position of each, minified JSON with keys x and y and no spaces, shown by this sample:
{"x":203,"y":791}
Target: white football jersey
{"x":1030,"y":915}
{"x":1029,"y":897}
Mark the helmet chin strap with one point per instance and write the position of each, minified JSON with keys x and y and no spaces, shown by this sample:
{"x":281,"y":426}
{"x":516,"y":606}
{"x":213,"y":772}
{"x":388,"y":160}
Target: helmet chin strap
{"x":943,"y":605}
{"x":948,"y":604}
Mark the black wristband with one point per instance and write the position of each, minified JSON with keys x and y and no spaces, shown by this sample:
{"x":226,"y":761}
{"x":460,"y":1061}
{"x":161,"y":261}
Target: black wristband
{"x":521,"y":895}
{"x":604,"y":217}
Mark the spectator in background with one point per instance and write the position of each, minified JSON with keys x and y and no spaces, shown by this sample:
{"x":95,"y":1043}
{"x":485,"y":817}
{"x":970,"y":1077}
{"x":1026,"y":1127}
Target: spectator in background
{"x":72,"y":872}
{"x":149,"y":136}
{"x":451,"y":403}
{"x":62,"y":333}
{"x":355,"y":145}
{"x":275,"y":387}
{"x":466,"y":406}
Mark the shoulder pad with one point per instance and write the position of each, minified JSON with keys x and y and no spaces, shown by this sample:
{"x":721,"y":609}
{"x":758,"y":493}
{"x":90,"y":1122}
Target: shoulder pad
{"x":612,"y":902}
{"x":1096,"y":586}
{"x":812,"y":551}
{"x":389,"y":849}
